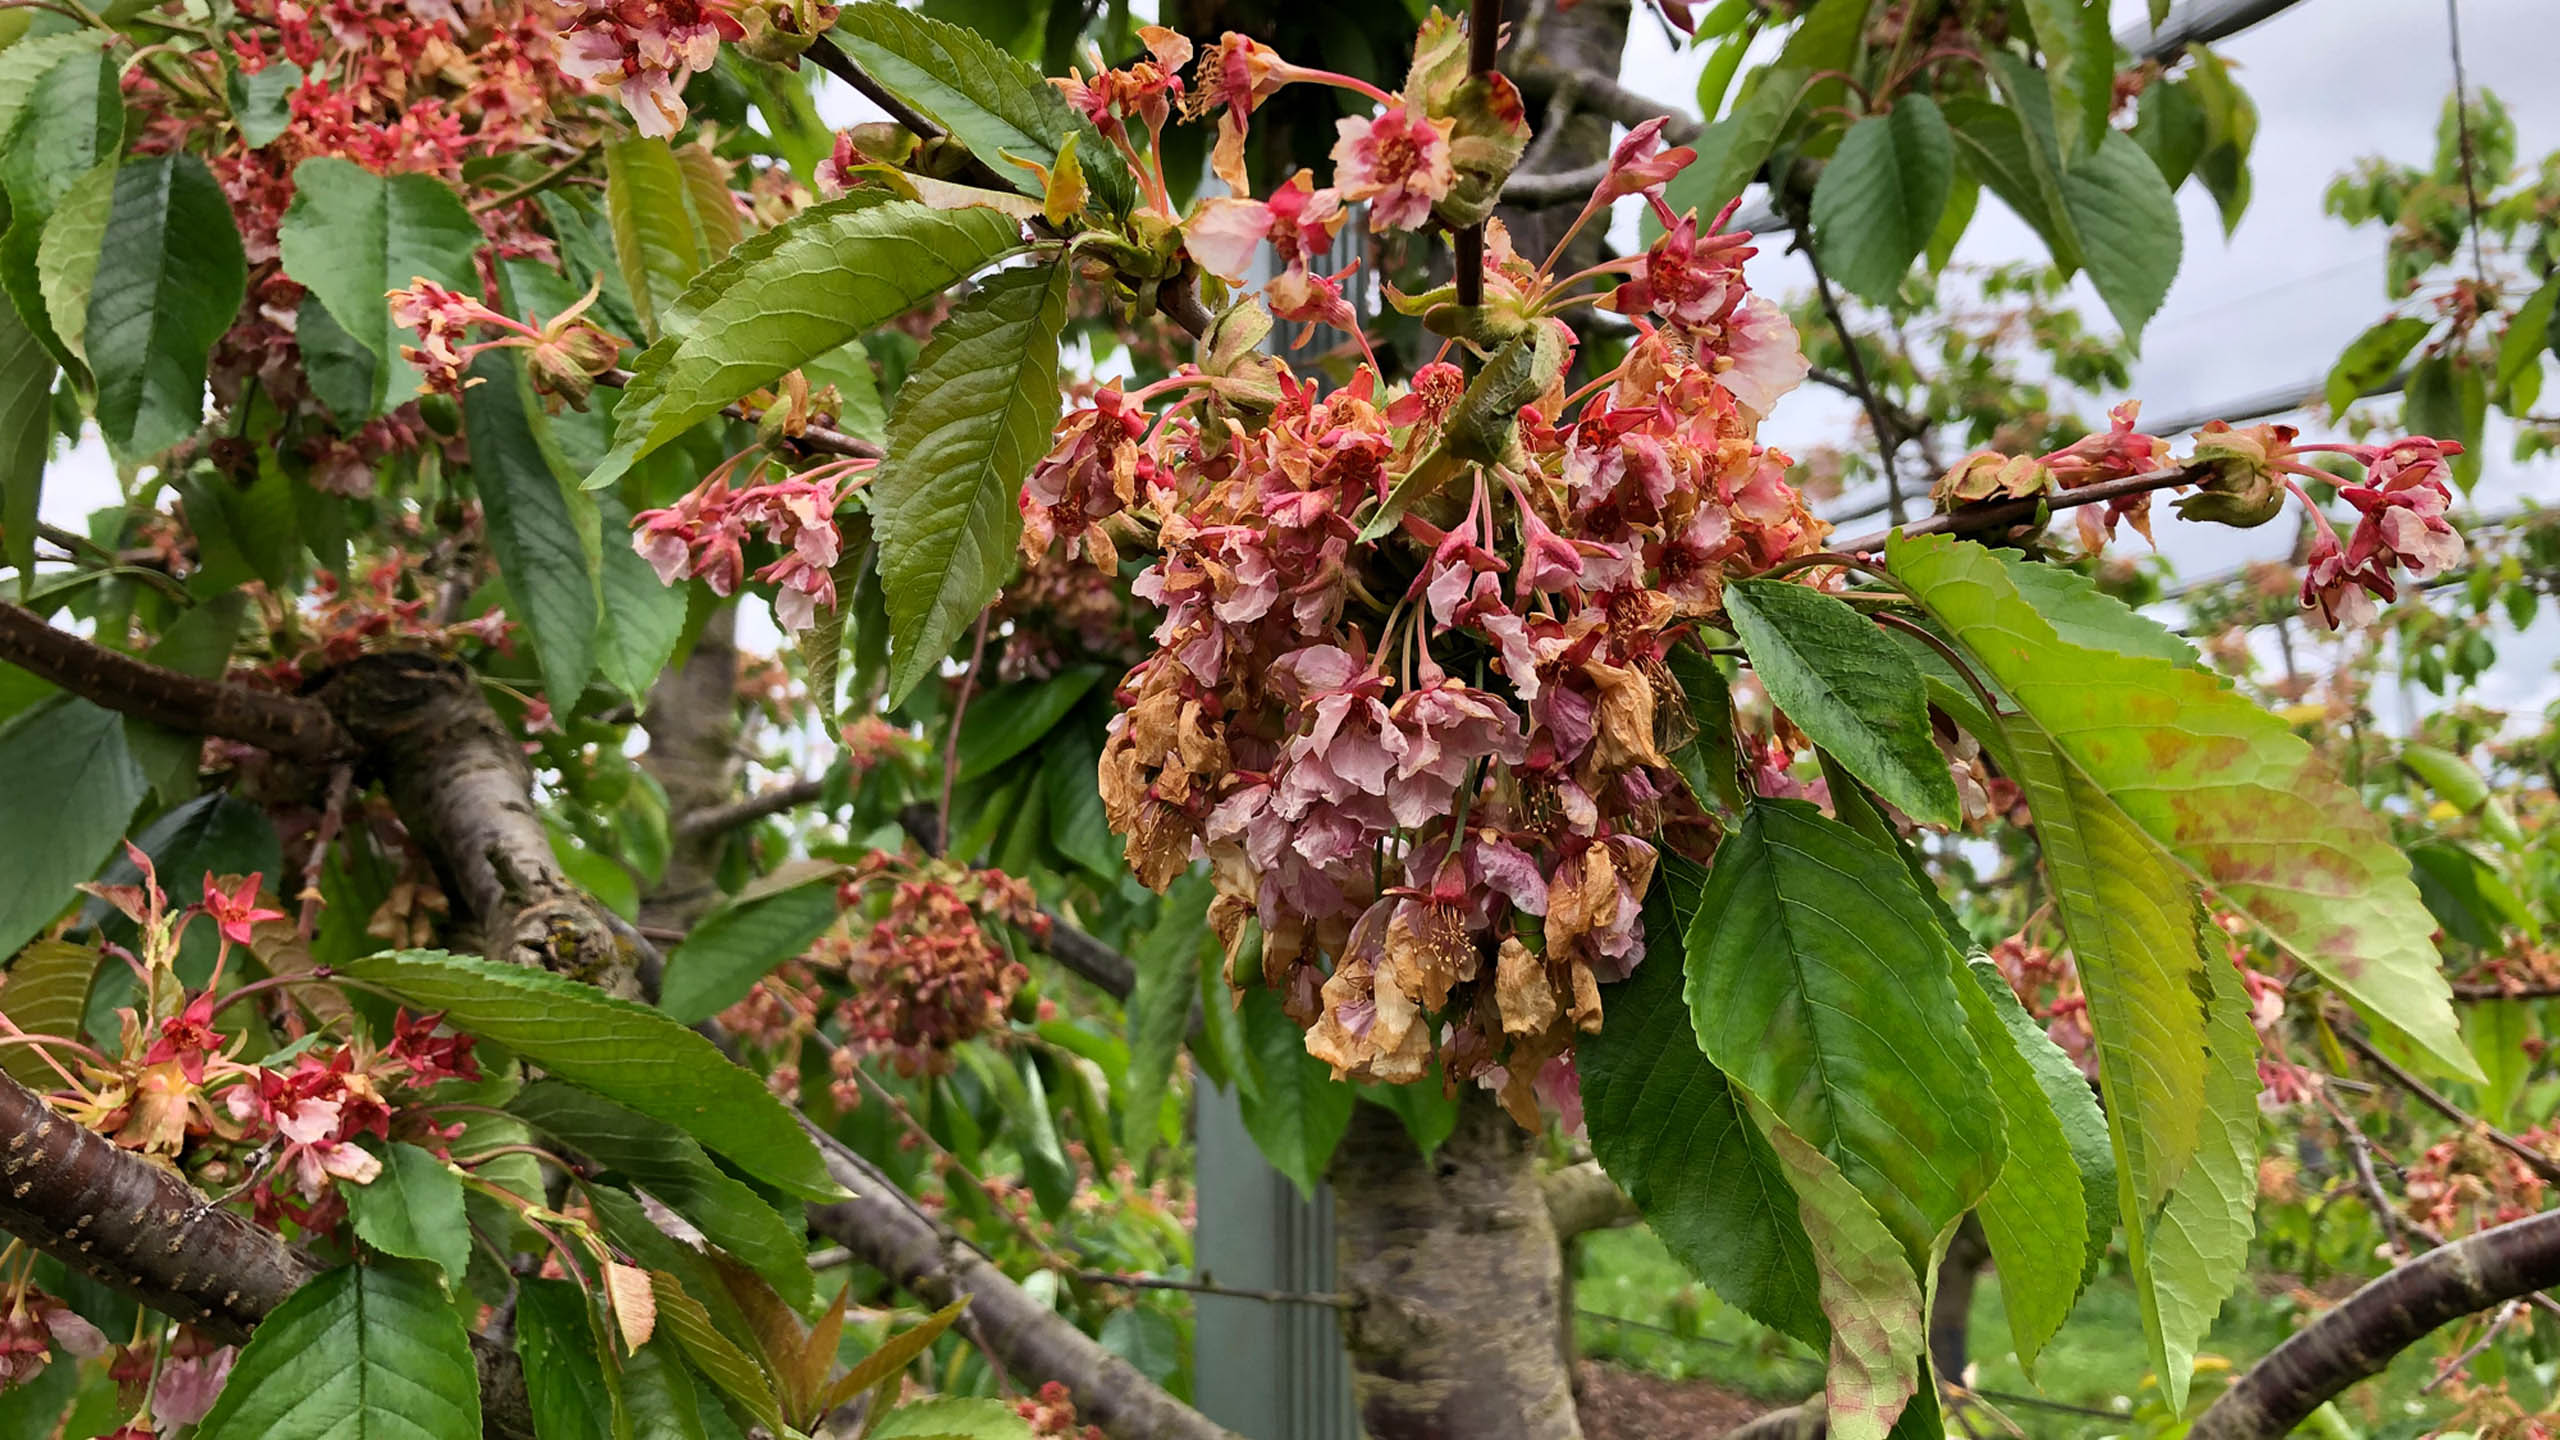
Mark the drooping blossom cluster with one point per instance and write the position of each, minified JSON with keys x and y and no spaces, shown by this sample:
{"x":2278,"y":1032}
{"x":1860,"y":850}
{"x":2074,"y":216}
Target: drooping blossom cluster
{"x":645,"y":51}
{"x":563,"y":356}
{"x":1433,"y":766}
{"x":1051,"y":1414}
{"x":703,"y":534}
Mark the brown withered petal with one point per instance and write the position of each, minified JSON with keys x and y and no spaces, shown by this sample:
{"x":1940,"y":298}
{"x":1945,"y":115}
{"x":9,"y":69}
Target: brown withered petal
{"x":1625,"y":716}
{"x":1520,"y":989}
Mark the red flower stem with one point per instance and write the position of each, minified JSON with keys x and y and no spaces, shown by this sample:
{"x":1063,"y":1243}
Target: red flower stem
{"x":274,"y":982}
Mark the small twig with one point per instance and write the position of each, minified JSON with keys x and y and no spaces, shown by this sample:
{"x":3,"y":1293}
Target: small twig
{"x":959,"y":712}
{"x":2471,"y":1352}
{"x":1206,"y":1287}
{"x":2534,"y":1160}
{"x":2462,"y":132}
{"x":1879,"y":414}
{"x":534,"y":186}
{"x":333,"y":814}
{"x":723,"y":818}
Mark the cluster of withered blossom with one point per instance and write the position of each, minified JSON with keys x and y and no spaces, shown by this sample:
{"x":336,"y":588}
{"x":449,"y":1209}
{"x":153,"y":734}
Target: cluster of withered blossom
{"x":1409,"y":695}
{"x":916,"y":965}
{"x":702,"y":535}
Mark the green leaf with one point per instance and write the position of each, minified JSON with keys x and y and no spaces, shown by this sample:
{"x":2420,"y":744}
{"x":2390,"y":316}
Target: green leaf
{"x":2231,"y":130}
{"x":676,"y":1171}
{"x":2080,"y":62}
{"x":262,"y":102}
{"x":351,"y":237}
{"x":1709,"y":763}
{"x":47,"y":993}
{"x":990,"y":102}
{"x":848,"y":368}
{"x":26,"y":436}
{"x":2087,"y":616}
{"x":2074,"y":1106}
{"x":2127,"y":224}
{"x":2372,"y":358}
{"x":642,"y":620}
{"x":2038,"y":143}
{"x":1993,"y":145}
{"x":732,"y":948}
{"x":72,"y":785}
{"x":27,"y":61}
{"x":2447,"y":398}
{"x":365,"y":1352}
{"x":1045,"y":1166}
{"x":1294,"y":1109}
{"x":1008,"y":720}
{"x":67,"y":256}
{"x":683,"y":1318}
{"x":795,"y":292}
{"x":969,"y":425}
{"x":564,"y":1382}
{"x":625,"y":1052}
{"x":659,"y":1395}
{"x":1732,"y":150}
{"x":1077,"y":825}
{"x":1669,"y":1129}
{"x":544,"y":531}
{"x":343,"y":374}
{"x":72,"y":122}
{"x":1869,"y":1290}
{"x":170,"y":279}
{"x":2034,"y":1215}
{"x":1167,"y":963}
{"x":2169,"y":125}
{"x":2199,"y":1245}
{"x":1849,"y":688}
{"x":2520,"y":349}
{"x":2219,"y":783}
{"x":1880,"y":197}
{"x":413,"y":1210}
{"x":1964,"y":196}
{"x":952,"y":1420}
{"x":1820,"y":982}
{"x":658,"y":235}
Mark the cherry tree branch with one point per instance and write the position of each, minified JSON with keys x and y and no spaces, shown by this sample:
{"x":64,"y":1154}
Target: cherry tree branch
{"x":141,"y":1229}
{"x":2372,"y":1326}
{"x":720,"y":819}
{"x":2002,"y":514}
{"x":286,"y":725}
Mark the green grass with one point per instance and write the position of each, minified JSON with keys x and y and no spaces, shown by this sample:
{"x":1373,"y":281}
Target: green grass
{"x":1667,"y":1323}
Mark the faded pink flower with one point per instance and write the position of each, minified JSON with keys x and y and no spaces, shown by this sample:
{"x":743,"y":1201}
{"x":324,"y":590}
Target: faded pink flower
{"x":1398,"y":161}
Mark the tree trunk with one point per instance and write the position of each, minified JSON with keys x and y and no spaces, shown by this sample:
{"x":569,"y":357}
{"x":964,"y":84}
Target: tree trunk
{"x":692,"y":722}
{"x":1457,"y":1273}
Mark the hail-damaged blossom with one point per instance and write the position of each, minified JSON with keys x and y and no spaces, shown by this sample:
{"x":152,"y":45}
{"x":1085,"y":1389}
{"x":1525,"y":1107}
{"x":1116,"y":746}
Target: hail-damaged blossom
{"x":2120,"y":452}
{"x":1433,"y":765}
{"x":1693,"y":284}
{"x":645,"y":50}
{"x":1094,"y":471}
{"x":1233,"y":78}
{"x":1299,"y":220}
{"x":702,"y":535}
{"x":563,"y":355}
{"x":36,"y":1322}
{"x":235,"y":909}
{"x":1397,"y":161}
{"x":1641,"y":165}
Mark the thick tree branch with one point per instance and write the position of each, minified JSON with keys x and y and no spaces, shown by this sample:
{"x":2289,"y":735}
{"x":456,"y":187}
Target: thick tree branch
{"x":461,"y":785}
{"x":892,"y":1234}
{"x":285,"y":725}
{"x":2362,"y":1335}
{"x":143,"y":1230}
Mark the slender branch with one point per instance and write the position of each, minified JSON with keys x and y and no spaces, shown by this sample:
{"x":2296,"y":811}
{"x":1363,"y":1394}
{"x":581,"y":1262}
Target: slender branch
{"x":721,"y":819}
{"x":886,"y":1230}
{"x":2501,"y":992}
{"x":534,"y":186}
{"x":819,"y":438}
{"x":1880,"y":415}
{"x":1602,"y":94}
{"x":286,"y":725}
{"x":2006,"y":513}
{"x":2534,"y":1160}
{"x":1532,"y":189}
{"x":1204,"y":1287}
{"x":143,"y":1230}
{"x":2372,"y":1326}
{"x":1484,"y":22}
